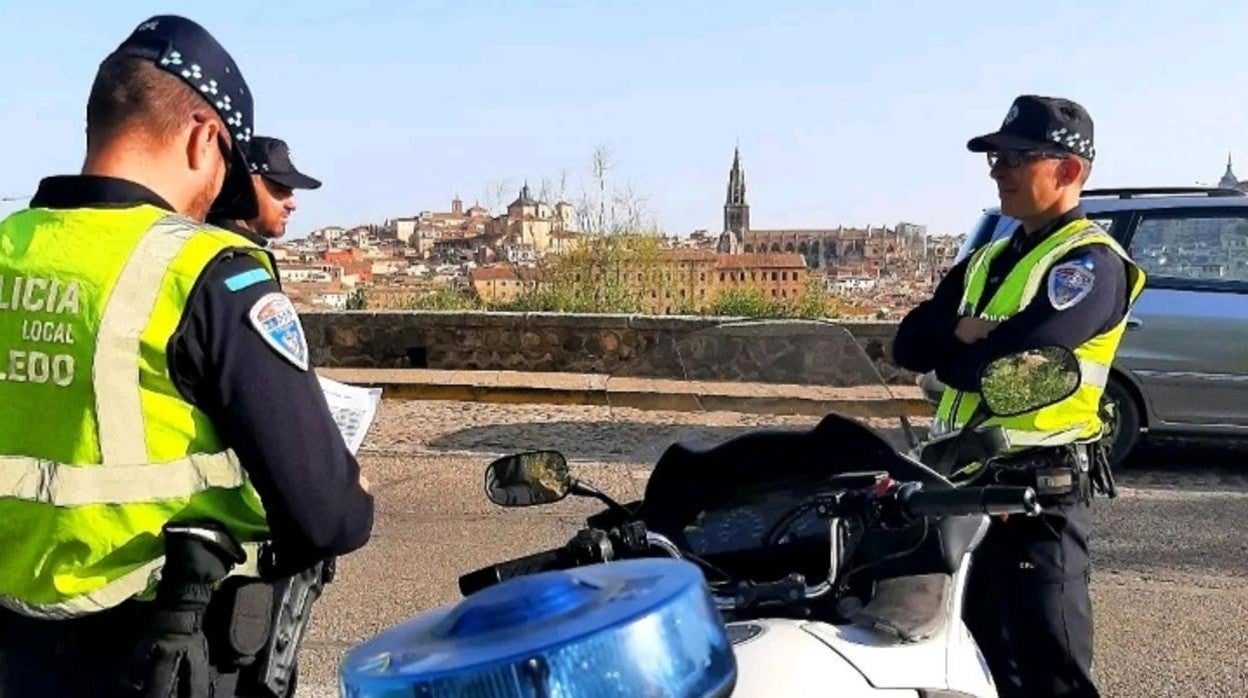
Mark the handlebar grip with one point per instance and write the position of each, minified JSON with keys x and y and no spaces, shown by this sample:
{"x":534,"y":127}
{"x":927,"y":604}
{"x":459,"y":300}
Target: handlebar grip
{"x":963,"y":501}
{"x":544,"y":561}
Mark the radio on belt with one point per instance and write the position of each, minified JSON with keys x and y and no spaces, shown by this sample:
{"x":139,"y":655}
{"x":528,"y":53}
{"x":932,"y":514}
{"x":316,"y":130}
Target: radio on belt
{"x":630,"y":628}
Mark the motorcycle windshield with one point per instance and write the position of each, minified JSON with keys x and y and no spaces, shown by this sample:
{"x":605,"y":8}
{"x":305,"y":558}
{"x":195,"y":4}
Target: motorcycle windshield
{"x":721,"y":380}
{"x":743,"y":420}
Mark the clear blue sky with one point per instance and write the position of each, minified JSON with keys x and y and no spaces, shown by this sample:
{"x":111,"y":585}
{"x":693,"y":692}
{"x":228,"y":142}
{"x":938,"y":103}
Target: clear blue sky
{"x":850,"y":115}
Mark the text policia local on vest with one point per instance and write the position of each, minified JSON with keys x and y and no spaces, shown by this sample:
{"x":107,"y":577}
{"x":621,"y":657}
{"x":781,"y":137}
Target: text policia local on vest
{"x":35,"y":298}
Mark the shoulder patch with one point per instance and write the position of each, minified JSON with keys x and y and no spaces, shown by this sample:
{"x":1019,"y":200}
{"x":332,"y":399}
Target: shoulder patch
{"x":1071,"y":282}
{"x":274,"y":317}
{"x":245,"y":279}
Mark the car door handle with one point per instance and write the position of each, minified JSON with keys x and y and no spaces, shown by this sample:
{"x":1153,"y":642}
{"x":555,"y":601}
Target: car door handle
{"x":1134,"y":324}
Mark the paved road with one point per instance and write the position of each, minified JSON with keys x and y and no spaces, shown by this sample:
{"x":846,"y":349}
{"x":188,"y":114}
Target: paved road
{"x":1170,"y":591}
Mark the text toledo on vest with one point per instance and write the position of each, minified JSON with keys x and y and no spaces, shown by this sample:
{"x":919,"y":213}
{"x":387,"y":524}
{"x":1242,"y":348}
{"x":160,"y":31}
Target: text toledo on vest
{"x":34,"y":294}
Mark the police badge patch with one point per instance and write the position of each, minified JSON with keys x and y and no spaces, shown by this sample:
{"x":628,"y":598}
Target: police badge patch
{"x":274,"y":317}
{"x":1070,"y":282}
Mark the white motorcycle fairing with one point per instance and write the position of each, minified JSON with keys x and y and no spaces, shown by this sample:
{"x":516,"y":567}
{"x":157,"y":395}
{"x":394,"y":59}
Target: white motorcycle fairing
{"x":811,"y":659}
{"x":783,"y":657}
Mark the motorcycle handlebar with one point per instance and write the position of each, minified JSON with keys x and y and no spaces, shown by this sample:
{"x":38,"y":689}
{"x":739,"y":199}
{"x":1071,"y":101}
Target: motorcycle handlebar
{"x":917,"y":502}
{"x":545,"y":561}
{"x":991,"y":500}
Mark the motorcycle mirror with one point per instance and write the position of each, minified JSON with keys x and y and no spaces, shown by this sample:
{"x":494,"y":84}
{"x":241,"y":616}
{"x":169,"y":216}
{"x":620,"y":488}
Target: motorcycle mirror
{"x":528,"y":479}
{"x":1029,"y":380}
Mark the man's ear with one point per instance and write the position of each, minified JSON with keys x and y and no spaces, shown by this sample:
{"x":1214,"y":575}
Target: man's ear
{"x":1071,"y":172}
{"x":202,"y":146}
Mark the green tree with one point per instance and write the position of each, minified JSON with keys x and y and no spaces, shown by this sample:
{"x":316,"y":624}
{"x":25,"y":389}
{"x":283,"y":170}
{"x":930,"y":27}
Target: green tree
{"x":358,"y":300}
{"x":746,"y":302}
{"x":755,"y":303}
{"x":444,"y":298}
{"x":603,"y":274}
{"x":814,"y":304}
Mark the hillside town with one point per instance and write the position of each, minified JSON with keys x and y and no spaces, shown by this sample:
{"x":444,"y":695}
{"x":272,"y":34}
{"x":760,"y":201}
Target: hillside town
{"x":469,"y":257}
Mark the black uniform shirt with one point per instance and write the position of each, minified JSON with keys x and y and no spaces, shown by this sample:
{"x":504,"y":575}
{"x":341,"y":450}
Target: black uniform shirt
{"x":925,"y":338}
{"x":270,"y":411}
{"x":240,"y":230}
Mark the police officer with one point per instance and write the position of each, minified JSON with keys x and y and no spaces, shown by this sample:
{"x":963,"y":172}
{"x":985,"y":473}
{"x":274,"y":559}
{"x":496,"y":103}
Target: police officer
{"x":275,"y":178}
{"x":153,"y":372}
{"x":1058,"y":280}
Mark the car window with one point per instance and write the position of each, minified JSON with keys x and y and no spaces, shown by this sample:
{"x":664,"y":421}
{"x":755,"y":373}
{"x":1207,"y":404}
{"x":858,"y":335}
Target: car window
{"x":1192,"y":250}
{"x":980,"y":233}
{"x":993,"y":226}
{"x":1008,"y":225}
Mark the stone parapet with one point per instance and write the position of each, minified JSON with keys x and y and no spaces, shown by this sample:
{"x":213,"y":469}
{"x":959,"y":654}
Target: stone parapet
{"x":633,"y":345}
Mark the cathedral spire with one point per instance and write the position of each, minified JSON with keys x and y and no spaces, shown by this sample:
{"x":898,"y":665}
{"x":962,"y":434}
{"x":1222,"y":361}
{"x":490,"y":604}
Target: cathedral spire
{"x":1229,"y":180}
{"x":736,"y":210}
{"x":736,"y":181}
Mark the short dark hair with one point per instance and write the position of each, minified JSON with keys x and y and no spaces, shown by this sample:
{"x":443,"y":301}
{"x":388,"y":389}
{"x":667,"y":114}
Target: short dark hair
{"x":132,"y":93}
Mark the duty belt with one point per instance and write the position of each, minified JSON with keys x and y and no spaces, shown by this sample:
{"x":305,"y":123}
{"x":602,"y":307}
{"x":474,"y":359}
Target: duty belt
{"x":1060,"y":475}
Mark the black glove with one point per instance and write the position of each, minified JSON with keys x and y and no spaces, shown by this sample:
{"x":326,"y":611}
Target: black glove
{"x":172,"y":659}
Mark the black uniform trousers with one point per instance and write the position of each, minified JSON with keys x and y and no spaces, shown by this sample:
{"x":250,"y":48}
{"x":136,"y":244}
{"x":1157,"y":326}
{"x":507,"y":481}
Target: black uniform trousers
{"x":1028,"y":606}
{"x":86,"y":656}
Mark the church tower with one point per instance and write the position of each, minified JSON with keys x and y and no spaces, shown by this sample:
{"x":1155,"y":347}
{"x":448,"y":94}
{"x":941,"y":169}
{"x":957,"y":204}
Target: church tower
{"x":1229,"y":180}
{"x":736,"y":210}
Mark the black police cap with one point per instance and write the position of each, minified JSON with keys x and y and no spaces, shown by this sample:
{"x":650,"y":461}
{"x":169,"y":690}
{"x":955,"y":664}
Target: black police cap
{"x":187,"y":51}
{"x":270,"y":158}
{"x":1036,"y":123}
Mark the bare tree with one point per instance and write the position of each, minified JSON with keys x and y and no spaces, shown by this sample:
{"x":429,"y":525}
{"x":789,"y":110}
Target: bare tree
{"x":546,"y":191}
{"x":601,"y":208}
{"x":604,"y":208}
{"x":600,"y":164}
{"x":496,"y":193}
{"x":563,"y":184}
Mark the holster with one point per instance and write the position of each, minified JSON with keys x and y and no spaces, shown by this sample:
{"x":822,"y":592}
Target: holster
{"x":172,"y":661}
{"x":1060,"y":475}
{"x":1100,"y":469}
{"x":210,"y":630}
{"x":274,"y":671}
{"x":240,"y":620}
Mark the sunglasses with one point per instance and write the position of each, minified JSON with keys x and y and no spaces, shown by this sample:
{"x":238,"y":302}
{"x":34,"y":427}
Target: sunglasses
{"x":1014,"y":158}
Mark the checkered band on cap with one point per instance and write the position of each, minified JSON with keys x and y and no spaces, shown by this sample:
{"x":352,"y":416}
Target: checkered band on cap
{"x":1073,"y":141}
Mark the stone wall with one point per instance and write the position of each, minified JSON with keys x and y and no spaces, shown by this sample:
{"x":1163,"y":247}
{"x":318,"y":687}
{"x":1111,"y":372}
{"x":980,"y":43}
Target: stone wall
{"x":634,"y":345}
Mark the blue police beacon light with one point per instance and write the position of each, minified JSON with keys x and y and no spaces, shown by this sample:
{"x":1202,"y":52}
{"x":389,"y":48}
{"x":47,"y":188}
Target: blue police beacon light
{"x":629,"y":628}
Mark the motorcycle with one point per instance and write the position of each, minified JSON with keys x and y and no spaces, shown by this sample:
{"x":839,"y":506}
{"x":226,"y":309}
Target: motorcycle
{"x":835,"y":559}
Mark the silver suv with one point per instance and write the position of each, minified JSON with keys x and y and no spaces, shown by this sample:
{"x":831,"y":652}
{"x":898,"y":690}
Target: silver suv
{"x":1183,"y":364}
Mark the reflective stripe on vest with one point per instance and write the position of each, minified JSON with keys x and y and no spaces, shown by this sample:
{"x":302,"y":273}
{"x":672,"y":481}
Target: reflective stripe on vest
{"x":1093,"y":373}
{"x":119,"y":590}
{"x":118,"y":401}
{"x":61,"y":485}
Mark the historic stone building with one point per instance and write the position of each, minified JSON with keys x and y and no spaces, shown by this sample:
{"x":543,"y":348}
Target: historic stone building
{"x":670,"y":282}
{"x":536,"y":224}
{"x":429,"y":228}
{"x":736,"y":210}
{"x":1229,"y":180}
{"x":820,"y":247}
{"x":529,"y":228}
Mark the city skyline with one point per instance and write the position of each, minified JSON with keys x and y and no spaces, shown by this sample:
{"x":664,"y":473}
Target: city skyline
{"x":849,"y":115}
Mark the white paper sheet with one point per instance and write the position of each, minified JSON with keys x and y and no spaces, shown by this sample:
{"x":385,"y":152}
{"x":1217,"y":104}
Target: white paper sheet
{"x":353,"y":408}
